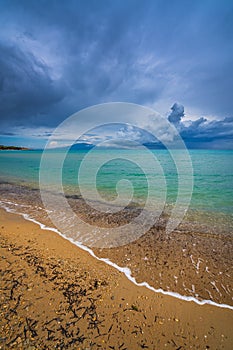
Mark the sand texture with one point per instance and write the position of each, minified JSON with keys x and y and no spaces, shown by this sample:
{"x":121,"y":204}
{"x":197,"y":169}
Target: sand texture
{"x":56,"y":296}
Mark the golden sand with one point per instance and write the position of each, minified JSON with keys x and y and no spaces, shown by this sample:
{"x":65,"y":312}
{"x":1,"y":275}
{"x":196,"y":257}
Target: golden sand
{"x":56,"y":296}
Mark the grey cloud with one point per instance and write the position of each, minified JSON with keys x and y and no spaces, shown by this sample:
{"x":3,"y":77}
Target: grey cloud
{"x":203,"y":133}
{"x":27,"y":90}
{"x":7,"y":133}
{"x":177,"y":113}
{"x":97,"y":60}
{"x":202,"y":130}
{"x":59,"y":57}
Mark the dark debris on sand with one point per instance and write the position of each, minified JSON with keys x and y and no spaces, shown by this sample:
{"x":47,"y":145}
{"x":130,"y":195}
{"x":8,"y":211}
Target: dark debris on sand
{"x":44,"y":307}
{"x":50,"y":303}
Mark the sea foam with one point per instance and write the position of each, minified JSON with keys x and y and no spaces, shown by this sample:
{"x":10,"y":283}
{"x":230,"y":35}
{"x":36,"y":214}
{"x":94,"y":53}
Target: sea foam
{"x":125,"y":270}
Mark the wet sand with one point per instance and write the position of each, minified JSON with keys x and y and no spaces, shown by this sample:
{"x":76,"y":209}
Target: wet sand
{"x":197,"y":265}
{"x":195,"y":260}
{"x":56,"y":296}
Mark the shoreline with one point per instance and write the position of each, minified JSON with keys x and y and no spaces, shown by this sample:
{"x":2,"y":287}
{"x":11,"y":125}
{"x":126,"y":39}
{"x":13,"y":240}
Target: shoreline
{"x":186,"y":264}
{"x":166,"y":319}
{"x":126,"y":271}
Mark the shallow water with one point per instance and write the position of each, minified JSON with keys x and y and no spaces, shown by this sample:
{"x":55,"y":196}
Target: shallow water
{"x":213,"y":173}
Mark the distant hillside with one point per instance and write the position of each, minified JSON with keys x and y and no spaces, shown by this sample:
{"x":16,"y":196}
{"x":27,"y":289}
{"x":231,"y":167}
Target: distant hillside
{"x":13,"y":148}
{"x":82,"y":145}
{"x":87,"y":146}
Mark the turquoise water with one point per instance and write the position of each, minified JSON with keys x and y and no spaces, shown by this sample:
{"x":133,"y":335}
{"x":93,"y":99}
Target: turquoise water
{"x":212,"y":174}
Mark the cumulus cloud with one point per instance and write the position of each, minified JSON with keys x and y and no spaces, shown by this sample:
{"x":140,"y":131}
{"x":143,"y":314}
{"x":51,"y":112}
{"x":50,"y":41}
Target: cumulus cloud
{"x":177,"y":113}
{"x":115,"y":135}
{"x":130,"y":132}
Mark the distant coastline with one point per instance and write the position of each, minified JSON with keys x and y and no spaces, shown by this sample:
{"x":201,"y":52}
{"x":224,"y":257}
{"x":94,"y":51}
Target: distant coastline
{"x":13,"y":148}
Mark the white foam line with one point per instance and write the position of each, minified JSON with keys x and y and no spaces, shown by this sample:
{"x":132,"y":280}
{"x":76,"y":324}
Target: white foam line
{"x":125,"y":270}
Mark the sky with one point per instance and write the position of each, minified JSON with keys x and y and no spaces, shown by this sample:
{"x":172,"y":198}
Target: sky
{"x":58,"y":57}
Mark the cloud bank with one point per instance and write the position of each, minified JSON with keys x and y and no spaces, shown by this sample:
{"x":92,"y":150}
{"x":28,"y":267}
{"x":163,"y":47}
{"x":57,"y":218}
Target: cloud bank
{"x":59,"y":57}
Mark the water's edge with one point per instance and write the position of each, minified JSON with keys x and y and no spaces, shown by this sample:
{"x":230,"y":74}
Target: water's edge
{"x":125,"y":270}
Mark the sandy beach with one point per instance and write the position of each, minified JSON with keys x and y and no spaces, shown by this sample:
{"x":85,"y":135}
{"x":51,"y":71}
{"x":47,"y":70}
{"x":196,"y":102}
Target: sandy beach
{"x":116,"y":175}
{"x":56,"y":296}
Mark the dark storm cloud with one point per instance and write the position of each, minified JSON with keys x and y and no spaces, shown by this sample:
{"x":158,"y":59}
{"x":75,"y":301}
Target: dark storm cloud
{"x":59,"y":57}
{"x":85,"y":52}
{"x":202,"y":128}
{"x":26,"y":88}
{"x":203,"y":133}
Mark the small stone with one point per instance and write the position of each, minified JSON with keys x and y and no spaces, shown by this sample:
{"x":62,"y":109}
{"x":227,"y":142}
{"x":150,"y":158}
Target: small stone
{"x":19,"y":340}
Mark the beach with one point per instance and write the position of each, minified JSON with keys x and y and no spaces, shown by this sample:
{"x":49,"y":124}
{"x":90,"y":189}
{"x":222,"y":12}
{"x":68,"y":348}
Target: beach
{"x":116,"y":175}
{"x":56,"y":295}
{"x":155,"y":290}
